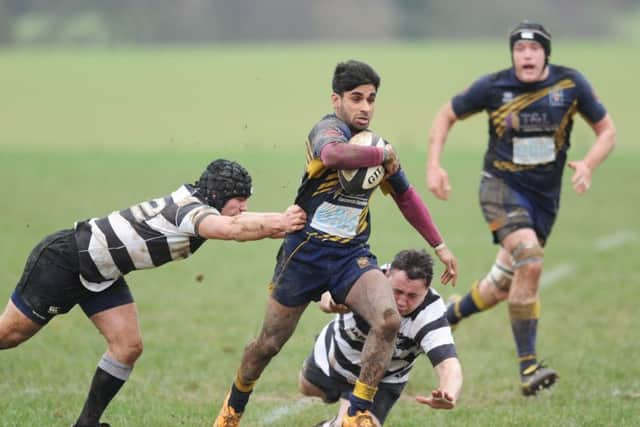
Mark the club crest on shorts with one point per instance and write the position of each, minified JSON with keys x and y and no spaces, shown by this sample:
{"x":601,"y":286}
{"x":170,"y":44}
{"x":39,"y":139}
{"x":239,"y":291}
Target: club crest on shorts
{"x":362,"y":261}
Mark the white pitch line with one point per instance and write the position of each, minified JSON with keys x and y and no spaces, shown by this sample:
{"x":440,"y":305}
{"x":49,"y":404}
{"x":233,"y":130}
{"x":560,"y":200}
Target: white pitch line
{"x":556,"y":274}
{"x":285,"y":411}
{"x":614,"y":240}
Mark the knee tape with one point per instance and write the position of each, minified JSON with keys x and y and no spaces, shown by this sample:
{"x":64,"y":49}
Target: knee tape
{"x":525,"y":253}
{"x":500,"y":276}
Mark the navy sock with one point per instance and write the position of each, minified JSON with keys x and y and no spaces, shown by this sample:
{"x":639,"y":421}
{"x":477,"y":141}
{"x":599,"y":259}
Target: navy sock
{"x":238,"y":399}
{"x":524,"y":324}
{"x":358,"y":404}
{"x":461,"y":309}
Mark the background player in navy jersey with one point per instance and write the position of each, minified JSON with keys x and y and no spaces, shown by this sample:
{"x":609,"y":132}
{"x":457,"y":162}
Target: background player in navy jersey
{"x":333,"y":366}
{"x":331,"y":252}
{"x":86,"y":266}
{"x":531,"y":107}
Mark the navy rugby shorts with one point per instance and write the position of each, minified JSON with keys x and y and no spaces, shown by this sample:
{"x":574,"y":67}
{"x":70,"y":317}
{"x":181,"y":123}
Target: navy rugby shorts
{"x":507,"y":210}
{"x":306,"y":268}
{"x":50,"y":284}
{"x":336,"y":387}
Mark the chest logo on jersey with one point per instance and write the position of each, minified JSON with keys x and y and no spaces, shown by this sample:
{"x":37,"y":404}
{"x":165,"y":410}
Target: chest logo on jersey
{"x":362,"y":262}
{"x":507,"y":97}
{"x":556,"y":98}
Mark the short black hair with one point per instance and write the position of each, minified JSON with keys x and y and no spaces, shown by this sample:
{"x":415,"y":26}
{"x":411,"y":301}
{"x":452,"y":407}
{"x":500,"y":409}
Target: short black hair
{"x":351,"y":74}
{"x":416,"y":263}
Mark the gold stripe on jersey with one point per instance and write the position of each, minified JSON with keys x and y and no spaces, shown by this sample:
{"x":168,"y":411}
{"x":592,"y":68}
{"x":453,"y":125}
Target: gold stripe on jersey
{"x":320,"y":191}
{"x":362,"y":221}
{"x":329,"y":184}
{"x":511,"y":167}
{"x":308,"y":151}
{"x":519,"y":103}
{"x":560,"y":132}
{"x":331,"y":180}
{"x":315,"y":168}
{"x":329,"y":237}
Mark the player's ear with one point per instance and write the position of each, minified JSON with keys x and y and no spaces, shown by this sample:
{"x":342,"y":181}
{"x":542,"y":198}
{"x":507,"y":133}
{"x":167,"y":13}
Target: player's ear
{"x":335,"y":100}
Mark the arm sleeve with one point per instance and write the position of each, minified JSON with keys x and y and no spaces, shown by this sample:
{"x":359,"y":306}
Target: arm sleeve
{"x":348,"y":156}
{"x":412,"y":207}
{"x":472,"y":100}
{"x":589,"y":105}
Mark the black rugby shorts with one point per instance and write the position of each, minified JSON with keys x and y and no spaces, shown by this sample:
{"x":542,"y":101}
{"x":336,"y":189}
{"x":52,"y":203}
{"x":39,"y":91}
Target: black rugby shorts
{"x":50,"y":284}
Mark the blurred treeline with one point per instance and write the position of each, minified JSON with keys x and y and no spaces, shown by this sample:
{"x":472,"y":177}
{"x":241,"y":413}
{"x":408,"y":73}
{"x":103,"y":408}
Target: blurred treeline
{"x":105,"y":22}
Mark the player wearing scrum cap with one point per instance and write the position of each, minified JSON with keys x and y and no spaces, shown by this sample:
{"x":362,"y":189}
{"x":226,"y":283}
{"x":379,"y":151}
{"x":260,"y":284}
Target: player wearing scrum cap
{"x":531,"y":106}
{"x":86,"y":265}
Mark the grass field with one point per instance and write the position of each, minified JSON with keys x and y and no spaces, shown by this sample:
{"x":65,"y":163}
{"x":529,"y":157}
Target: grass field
{"x":86,"y":132}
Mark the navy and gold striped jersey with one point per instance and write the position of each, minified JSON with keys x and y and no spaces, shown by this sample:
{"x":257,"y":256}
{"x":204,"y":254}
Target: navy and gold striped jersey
{"x":145,"y":235}
{"x":530,"y":125}
{"x":333,"y":216}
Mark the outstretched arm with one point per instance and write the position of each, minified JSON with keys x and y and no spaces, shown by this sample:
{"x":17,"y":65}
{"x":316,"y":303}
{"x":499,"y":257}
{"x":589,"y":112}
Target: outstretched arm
{"x":446,"y":395}
{"x":437,"y":177}
{"x":605,"y":142}
{"x":417,"y":214}
{"x":252,"y":225}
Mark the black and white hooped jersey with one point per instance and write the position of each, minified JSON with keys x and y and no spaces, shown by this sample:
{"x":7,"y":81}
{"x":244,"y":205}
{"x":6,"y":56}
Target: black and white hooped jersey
{"x":142,"y":236}
{"x":338,"y":347}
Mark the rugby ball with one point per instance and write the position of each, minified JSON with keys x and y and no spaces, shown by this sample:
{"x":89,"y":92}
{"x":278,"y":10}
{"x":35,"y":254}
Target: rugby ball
{"x":356,"y":181}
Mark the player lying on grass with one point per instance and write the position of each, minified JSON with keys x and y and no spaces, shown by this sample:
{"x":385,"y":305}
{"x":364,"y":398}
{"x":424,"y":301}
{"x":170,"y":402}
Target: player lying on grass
{"x":334,"y":364}
{"x":86,"y":265}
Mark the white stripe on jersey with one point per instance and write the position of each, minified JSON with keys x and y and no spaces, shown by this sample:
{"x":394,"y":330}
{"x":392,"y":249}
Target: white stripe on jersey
{"x":102,"y":259}
{"x":434,"y":311}
{"x":437,"y":337}
{"x":320,"y":355}
{"x":135,"y":245}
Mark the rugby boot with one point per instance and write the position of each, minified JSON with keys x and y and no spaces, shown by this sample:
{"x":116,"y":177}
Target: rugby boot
{"x":537,"y":377}
{"x":228,"y":417}
{"x":360,"y":419}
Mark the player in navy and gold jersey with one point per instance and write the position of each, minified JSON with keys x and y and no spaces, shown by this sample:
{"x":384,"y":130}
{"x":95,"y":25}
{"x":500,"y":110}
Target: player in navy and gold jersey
{"x":86,"y":266}
{"x":331,"y":253}
{"x":531,"y":108}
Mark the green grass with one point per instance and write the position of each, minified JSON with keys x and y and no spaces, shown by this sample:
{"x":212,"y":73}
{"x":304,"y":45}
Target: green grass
{"x":86,"y":132}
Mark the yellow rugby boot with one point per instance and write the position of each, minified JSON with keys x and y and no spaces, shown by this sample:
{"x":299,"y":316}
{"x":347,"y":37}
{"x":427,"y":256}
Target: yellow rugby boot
{"x":228,"y":417}
{"x":360,"y":419}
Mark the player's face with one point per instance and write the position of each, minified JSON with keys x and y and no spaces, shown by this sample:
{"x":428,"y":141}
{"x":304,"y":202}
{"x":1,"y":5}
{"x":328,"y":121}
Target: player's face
{"x":408,"y":293}
{"x":235,"y":206}
{"x":528,"y":61}
{"x":356,"y":106}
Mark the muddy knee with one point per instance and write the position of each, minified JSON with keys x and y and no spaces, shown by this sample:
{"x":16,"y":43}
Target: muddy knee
{"x":528,"y":256}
